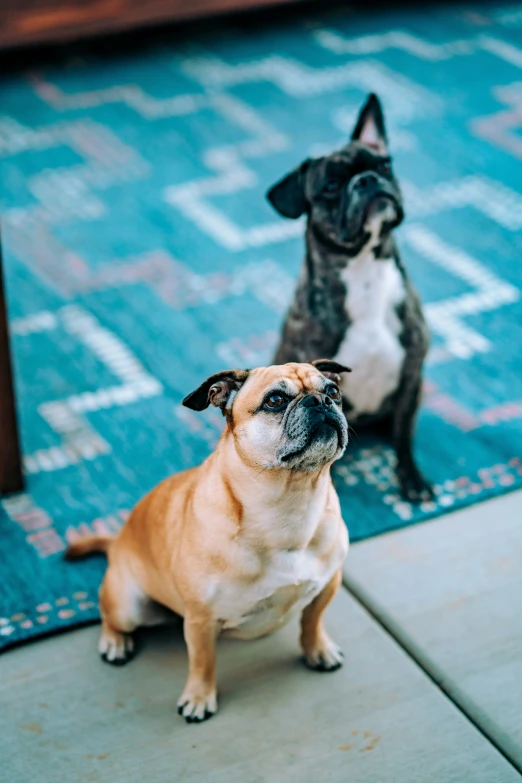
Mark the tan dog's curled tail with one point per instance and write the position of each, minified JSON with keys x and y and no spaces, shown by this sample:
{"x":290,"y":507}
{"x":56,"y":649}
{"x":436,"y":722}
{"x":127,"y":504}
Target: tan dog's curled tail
{"x":88,"y":546}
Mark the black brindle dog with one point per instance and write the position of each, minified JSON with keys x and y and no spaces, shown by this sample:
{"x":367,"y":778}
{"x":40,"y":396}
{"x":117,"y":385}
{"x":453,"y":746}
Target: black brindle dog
{"x":354,"y":302}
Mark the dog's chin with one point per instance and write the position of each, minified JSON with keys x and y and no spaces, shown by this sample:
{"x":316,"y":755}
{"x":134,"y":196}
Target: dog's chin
{"x":322,"y":447}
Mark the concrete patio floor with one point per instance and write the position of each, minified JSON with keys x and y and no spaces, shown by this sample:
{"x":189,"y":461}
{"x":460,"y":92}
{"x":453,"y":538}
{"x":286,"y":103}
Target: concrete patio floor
{"x":449,"y":591}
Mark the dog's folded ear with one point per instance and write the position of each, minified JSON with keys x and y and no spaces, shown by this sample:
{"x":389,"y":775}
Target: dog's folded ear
{"x":370,"y":128}
{"x":216,"y":390}
{"x":288,"y":196}
{"x":330,"y":369}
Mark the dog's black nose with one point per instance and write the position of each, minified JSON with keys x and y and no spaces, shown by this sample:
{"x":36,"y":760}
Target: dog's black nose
{"x":316,"y":400}
{"x":311,"y":400}
{"x":365,"y":181}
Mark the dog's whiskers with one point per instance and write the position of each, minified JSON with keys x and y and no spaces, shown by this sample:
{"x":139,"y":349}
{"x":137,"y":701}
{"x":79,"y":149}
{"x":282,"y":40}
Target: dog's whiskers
{"x":352,"y":433}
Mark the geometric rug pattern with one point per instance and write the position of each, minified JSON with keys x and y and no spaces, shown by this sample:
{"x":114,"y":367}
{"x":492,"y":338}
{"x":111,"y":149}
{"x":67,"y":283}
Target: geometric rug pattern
{"x":141,"y":256}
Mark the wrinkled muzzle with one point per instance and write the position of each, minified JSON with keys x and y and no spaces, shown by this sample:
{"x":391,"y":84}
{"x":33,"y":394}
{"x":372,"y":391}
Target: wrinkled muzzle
{"x":315,"y":432}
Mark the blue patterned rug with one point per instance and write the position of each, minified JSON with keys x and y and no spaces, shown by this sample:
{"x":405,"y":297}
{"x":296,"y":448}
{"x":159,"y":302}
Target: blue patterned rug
{"x":141,"y":256}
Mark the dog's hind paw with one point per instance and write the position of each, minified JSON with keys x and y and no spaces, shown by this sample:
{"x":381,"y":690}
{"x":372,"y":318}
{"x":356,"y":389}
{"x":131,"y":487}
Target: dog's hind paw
{"x":196,"y":708}
{"x":325,"y":657}
{"x":414,"y":487}
{"x":116,"y":648}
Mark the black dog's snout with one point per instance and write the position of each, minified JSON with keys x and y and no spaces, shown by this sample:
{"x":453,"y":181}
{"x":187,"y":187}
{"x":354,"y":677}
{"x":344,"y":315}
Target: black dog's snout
{"x":315,"y":400}
{"x":366,"y":181}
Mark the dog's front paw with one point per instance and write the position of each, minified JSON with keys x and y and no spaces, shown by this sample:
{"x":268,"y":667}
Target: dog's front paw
{"x":116,"y":648}
{"x":325,"y":656}
{"x":414,"y":487}
{"x":197,"y":706}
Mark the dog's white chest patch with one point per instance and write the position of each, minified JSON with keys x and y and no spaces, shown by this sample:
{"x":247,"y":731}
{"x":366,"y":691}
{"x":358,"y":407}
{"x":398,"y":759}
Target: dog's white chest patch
{"x":371,"y":346}
{"x":290,"y":582}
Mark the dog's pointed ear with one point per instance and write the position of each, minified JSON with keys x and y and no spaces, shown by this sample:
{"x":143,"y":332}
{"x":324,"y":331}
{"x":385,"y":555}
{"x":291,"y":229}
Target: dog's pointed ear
{"x":216,"y":390}
{"x":330,"y":369}
{"x":288,"y":196}
{"x":370,"y":128}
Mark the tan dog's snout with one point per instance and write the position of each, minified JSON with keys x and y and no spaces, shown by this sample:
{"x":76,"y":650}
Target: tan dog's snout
{"x":315,"y":429}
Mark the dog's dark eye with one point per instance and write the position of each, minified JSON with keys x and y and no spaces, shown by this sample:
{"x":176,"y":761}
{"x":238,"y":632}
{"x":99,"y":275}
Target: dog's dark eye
{"x":334,"y":393}
{"x":274,"y":401}
{"x":332,"y":187}
{"x":384,"y":167}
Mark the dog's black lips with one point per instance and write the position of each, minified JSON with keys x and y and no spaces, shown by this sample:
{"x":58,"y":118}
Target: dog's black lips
{"x":357,"y":235}
{"x":382,"y":195}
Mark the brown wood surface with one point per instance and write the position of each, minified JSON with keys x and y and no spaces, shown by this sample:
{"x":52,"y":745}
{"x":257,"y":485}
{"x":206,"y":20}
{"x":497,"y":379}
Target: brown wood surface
{"x":44,"y":21}
{"x":11,"y":478}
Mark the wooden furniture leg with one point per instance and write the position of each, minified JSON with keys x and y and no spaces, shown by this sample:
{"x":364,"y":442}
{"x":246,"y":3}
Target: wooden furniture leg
{"x":11,"y":476}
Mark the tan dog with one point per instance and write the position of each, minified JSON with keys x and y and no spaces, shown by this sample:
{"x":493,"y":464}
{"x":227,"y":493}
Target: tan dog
{"x":246,"y":539}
